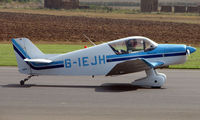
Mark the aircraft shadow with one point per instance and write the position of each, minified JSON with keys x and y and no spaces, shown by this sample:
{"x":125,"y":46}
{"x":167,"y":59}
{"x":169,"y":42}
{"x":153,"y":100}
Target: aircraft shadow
{"x":106,"y":87}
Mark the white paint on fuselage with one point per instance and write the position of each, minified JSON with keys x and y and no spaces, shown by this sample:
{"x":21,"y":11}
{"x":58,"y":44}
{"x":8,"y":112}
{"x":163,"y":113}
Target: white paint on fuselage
{"x":170,"y":60}
{"x":89,"y":61}
{"x":92,"y":61}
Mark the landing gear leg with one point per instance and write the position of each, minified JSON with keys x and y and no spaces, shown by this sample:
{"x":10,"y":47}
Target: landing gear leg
{"x":153,"y":79}
{"x":22,"y":82}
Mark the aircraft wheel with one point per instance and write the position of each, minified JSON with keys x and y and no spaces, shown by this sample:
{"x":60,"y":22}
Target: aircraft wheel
{"x":21,"y":82}
{"x":156,"y":87}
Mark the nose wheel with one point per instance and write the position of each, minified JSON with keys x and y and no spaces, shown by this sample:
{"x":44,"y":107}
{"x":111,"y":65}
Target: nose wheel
{"x":153,"y":79}
{"x":22,"y":82}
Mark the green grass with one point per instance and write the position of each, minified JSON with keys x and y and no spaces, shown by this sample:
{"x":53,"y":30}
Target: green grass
{"x":193,"y":61}
{"x":7,"y":57}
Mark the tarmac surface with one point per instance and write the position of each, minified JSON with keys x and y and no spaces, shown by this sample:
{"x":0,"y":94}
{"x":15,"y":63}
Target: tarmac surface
{"x":99,"y":98}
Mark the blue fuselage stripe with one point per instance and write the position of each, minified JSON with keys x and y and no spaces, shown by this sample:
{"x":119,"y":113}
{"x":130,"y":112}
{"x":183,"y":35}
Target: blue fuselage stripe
{"x":174,"y":54}
{"x":109,"y":59}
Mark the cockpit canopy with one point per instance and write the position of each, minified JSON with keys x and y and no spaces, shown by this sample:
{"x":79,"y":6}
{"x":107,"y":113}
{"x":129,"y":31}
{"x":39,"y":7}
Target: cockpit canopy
{"x":132,"y":44}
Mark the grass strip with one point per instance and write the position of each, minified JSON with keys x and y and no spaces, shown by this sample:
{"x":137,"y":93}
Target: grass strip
{"x":7,"y":56}
{"x":193,"y":61}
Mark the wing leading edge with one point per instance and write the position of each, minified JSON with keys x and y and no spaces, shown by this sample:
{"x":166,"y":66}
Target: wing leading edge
{"x":132,"y":66}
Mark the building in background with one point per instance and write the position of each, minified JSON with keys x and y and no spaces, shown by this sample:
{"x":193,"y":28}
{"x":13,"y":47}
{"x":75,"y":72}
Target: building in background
{"x":149,"y":5}
{"x":166,"y":8}
{"x":193,"y":9}
{"x":180,"y":9}
{"x":61,"y":4}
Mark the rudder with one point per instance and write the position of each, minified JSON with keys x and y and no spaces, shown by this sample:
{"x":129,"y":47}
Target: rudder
{"x":24,"y":48}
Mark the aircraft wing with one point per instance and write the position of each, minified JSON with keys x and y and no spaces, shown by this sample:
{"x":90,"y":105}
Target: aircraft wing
{"x":38,"y":60}
{"x":132,"y":66}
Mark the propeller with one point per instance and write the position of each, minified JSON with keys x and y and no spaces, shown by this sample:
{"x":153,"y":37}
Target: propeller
{"x":190,"y":50}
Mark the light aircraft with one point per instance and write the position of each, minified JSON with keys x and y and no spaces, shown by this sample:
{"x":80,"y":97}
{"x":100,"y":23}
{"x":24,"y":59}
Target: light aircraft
{"x":123,"y":56}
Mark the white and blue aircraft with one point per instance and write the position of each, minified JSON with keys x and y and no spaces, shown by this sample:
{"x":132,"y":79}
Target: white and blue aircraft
{"x":123,"y":56}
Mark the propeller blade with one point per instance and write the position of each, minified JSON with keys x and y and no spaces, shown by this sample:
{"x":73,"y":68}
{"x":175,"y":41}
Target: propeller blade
{"x":188,"y":52}
{"x":190,"y":49}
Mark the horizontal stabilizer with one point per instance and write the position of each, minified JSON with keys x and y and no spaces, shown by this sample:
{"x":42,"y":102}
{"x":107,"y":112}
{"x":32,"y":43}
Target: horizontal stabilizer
{"x":38,"y":60}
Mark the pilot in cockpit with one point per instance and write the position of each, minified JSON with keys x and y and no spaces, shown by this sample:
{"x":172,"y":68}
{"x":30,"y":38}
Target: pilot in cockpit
{"x":131,"y":45}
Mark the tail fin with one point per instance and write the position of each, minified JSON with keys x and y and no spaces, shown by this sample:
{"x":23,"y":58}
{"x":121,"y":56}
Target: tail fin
{"x":25,"y":49}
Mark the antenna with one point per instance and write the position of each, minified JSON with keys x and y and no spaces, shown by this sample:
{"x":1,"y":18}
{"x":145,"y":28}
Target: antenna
{"x":89,"y":39}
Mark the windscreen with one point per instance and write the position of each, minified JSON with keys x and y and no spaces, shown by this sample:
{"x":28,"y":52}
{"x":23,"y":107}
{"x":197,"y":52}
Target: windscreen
{"x":131,"y":46}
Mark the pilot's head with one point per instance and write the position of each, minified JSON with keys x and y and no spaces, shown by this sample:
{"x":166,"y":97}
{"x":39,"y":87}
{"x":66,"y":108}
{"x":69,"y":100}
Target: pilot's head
{"x":132,"y":43}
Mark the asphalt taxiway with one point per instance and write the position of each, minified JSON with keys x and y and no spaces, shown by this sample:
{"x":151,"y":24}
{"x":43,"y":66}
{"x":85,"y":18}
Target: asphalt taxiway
{"x":99,"y":98}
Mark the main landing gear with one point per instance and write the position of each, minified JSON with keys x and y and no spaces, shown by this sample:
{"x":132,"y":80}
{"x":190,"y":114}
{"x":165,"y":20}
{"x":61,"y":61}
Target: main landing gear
{"x":153,"y":79}
{"x":22,"y":82}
